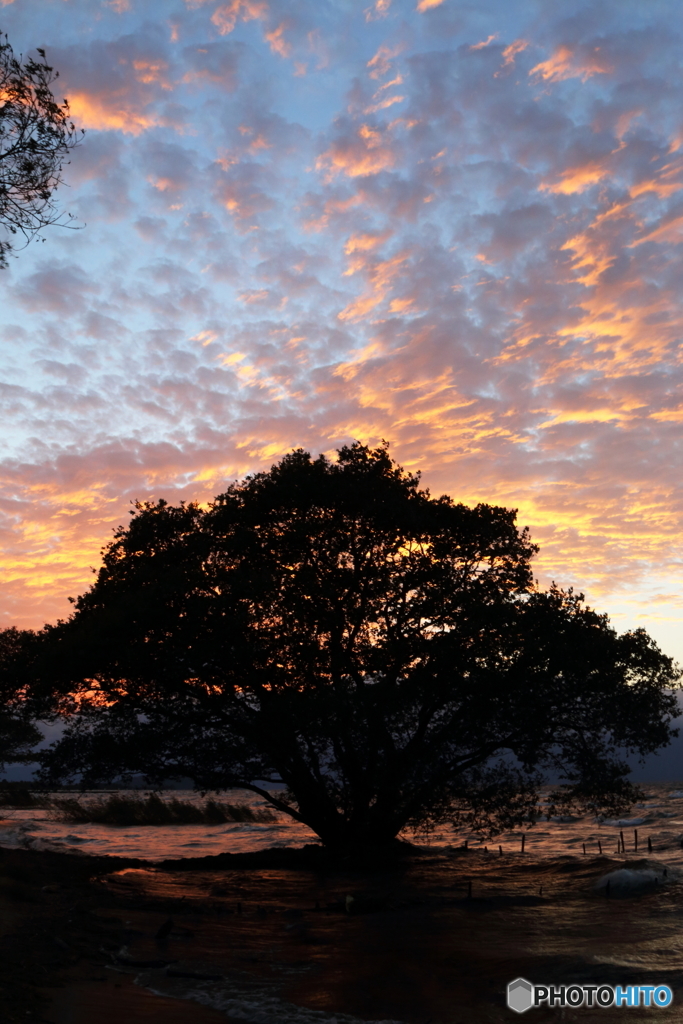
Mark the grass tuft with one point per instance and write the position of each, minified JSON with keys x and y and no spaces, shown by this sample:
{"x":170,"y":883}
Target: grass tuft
{"x":120,"y":809}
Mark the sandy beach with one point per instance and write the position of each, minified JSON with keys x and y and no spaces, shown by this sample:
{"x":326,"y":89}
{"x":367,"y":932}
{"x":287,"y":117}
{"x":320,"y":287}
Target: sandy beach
{"x":291,"y":935}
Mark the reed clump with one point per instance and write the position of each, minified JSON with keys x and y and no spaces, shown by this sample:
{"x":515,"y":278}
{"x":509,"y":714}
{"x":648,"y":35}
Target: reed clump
{"x":128,"y":809}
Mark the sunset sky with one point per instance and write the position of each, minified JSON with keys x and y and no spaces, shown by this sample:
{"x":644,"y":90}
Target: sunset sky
{"x":457,"y":226}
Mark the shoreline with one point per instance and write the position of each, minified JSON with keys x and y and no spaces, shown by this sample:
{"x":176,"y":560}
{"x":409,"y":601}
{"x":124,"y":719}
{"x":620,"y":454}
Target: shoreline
{"x":426,"y":936}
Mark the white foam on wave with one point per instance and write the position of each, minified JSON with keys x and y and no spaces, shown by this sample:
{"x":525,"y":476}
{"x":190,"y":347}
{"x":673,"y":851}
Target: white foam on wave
{"x":631,"y":881}
{"x":624,"y":822}
{"x":251,"y":1001}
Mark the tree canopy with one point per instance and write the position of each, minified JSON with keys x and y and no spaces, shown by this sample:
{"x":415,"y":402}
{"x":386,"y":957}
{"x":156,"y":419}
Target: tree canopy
{"x":36,"y":134}
{"x":333,"y":627}
{"x":18,"y":734}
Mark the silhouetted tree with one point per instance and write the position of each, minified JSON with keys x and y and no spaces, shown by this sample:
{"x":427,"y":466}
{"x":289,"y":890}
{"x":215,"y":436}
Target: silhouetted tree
{"x":333,"y":627}
{"x":18,"y":735}
{"x":36,"y":134}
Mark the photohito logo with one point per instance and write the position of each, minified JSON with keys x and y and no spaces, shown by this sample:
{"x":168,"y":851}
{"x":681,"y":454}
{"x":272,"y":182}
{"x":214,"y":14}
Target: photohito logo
{"x":522,"y":995}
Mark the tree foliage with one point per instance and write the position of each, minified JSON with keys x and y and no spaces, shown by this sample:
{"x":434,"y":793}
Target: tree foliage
{"x":18,"y":734}
{"x":331,"y":626}
{"x":36,"y":134}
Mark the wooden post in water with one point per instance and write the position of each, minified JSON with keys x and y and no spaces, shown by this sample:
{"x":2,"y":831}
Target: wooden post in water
{"x":623,"y":844}
{"x":500,"y":851}
{"x":584,"y":849}
{"x":600,"y":847}
{"x":635,"y":839}
{"x":523,"y":840}
{"x":649,"y":844}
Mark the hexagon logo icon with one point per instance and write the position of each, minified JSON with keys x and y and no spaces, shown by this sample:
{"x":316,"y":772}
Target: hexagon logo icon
{"x":520,"y":995}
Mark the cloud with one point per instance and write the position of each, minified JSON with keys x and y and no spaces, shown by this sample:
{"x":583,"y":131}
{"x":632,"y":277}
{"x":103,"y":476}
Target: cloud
{"x":217,"y":63}
{"x":459,"y":232}
{"x":380,"y":9}
{"x":59,"y":289}
{"x":485,"y":42}
{"x":277,"y":42}
{"x":226,"y":16}
{"x":170,"y":168}
{"x":427,"y":5}
{"x":381,"y":62}
{"x":510,"y":52}
{"x":357,"y":151}
{"x":380,"y":275}
{"x":118,"y":85}
{"x":566,"y":63}
{"x":243,"y":190}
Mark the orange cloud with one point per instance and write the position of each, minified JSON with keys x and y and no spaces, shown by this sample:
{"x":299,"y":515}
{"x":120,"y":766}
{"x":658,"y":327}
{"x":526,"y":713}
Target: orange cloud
{"x":380,"y":10}
{"x":381,"y":62}
{"x":566,"y":63}
{"x":670,"y":231}
{"x":365,"y":242}
{"x":383,"y":104}
{"x":205,"y":337}
{"x":510,"y":52}
{"x":669,"y":415}
{"x":106,"y":114}
{"x":387,"y":85}
{"x":147,"y":71}
{"x":484,"y":43}
{"x":426,"y":5}
{"x":400,"y":306}
{"x":381,"y":276}
{"x":606,"y":414}
{"x":364,"y":152}
{"x":577,"y":179}
{"x":69,"y":508}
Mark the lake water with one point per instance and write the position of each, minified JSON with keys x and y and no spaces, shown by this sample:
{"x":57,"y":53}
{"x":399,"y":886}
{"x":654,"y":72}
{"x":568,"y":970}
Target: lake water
{"x":659,"y":818}
{"x":543,"y":915}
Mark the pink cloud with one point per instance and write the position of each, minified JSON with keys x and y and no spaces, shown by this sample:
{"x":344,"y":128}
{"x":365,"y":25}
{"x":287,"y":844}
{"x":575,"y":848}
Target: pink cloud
{"x":277,"y":42}
{"x":226,"y":16}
